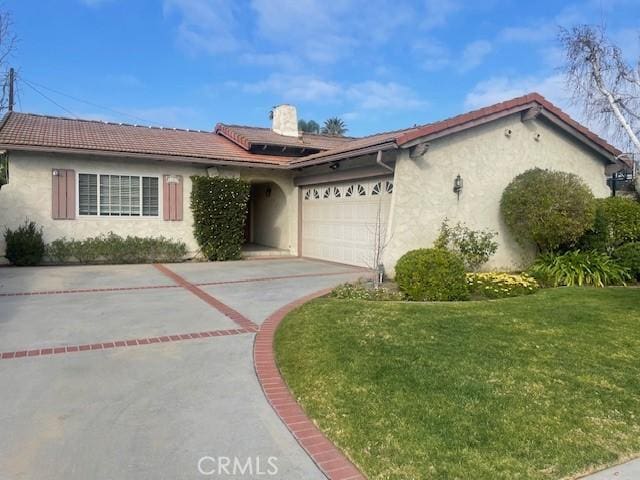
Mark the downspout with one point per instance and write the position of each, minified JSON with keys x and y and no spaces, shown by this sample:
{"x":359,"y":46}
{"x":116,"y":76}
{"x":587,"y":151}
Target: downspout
{"x":381,"y":163}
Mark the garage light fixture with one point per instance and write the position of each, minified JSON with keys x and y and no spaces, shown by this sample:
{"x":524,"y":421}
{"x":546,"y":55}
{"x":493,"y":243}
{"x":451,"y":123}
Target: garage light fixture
{"x":457,"y":185}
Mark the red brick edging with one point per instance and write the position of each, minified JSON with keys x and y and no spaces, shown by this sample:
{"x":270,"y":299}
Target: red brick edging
{"x":226,"y":310}
{"x":331,"y":461}
{"x":38,"y":352}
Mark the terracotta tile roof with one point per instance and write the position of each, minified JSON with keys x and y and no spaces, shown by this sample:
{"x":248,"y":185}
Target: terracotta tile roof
{"x":230,"y":143}
{"x":248,"y":137}
{"x":402,"y":137}
{"x":29,"y":130}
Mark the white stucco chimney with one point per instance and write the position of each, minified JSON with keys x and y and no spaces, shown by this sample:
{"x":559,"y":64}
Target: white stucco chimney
{"x":285,"y":120}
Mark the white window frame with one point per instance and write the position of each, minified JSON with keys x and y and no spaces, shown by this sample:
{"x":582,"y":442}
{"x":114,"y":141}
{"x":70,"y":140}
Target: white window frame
{"x":120,"y":217}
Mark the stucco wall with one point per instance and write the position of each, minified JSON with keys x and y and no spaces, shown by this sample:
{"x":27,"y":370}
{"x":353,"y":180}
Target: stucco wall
{"x":28,"y":195}
{"x":275,"y":219}
{"x":487,"y":160}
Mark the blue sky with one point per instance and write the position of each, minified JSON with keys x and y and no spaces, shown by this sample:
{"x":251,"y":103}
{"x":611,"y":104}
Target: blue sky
{"x":378,"y":64}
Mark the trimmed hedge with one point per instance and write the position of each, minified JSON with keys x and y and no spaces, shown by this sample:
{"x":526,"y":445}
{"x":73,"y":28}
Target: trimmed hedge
{"x":219,"y":208}
{"x":24,"y":245}
{"x":628,"y":256}
{"x":114,"y":249}
{"x":432,"y":274}
{"x":548,"y":208}
{"x":617,"y":222}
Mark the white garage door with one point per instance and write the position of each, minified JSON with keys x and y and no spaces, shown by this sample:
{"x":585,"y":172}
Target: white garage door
{"x":340,"y":220}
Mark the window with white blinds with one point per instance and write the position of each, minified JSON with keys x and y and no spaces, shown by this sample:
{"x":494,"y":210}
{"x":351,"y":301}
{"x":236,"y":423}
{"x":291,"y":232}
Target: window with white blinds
{"x":118,"y":195}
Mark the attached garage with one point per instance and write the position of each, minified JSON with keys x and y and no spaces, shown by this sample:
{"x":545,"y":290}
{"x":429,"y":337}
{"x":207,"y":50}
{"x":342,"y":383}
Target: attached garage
{"x":343,"y":222}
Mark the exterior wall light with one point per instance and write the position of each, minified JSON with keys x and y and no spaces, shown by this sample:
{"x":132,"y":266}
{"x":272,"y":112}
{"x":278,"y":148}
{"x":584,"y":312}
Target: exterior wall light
{"x":267,"y":192}
{"x":457,"y":185}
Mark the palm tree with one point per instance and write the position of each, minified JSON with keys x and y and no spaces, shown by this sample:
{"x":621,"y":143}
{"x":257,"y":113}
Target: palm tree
{"x":334,"y":126}
{"x":308,"y":127}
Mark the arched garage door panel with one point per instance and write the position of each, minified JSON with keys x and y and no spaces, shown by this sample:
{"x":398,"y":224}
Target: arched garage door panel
{"x":339,"y":221}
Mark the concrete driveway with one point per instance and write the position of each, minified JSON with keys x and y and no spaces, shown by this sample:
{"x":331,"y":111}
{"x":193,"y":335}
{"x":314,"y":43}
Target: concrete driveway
{"x":138,"y":372}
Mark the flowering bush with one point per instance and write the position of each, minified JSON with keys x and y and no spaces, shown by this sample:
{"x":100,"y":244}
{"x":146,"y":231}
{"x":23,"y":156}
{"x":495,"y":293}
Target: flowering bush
{"x":475,"y":247}
{"x":350,"y":291}
{"x":501,"y":285}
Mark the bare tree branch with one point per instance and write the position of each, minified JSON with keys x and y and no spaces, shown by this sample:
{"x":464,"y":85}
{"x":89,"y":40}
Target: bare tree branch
{"x":603,"y":83}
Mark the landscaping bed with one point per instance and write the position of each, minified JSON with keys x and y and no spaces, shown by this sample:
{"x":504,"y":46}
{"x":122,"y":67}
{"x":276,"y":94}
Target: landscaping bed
{"x":541,"y":386}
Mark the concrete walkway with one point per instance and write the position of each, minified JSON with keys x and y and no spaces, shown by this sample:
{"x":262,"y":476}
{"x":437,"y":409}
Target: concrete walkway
{"x":130,"y":372}
{"x":627,"y":471}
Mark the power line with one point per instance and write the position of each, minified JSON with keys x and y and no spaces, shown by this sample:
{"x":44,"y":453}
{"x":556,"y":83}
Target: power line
{"x":90,"y":103}
{"x":49,"y":98}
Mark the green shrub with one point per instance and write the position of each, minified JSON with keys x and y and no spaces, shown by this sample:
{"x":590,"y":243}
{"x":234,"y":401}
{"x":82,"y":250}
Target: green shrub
{"x":617,"y":222}
{"x":547,"y":208}
{"x":501,"y":285}
{"x":629,"y":257}
{"x":24,"y":246}
{"x":358,"y":291}
{"x":114,"y":249}
{"x":475,"y":247}
{"x":219,"y":208}
{"x":578,"y":268}
{"x":432,"y":274}
{"x":59,"y":251}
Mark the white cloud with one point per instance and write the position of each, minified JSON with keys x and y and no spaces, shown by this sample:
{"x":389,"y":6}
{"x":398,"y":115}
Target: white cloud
{"x":434,"y":55}
{"x":205,"y":25}
{"x":474,"y":54}
{"x":373,"y":95}
{"x":309,"y":31}
{"x":498,"y":89}
{"x":368,"y":95}
{"x":437,"y":12}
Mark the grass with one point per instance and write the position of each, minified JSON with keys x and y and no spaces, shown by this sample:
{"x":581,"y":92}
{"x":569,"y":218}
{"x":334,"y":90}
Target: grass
{"x":537,"y":387}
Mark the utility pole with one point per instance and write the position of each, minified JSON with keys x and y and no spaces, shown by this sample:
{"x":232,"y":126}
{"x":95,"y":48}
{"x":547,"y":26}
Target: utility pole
{"x":11,"y":81}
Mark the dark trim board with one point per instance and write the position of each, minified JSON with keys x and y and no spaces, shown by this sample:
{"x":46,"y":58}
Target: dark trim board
{"x":341,"y":175}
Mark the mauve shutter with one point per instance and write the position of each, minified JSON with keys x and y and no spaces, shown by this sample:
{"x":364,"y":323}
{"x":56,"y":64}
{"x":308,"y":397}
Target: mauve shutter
{"x":172,"y":197}
{"x":71,"y":194}
{"x":178,"y":198}
{"x":63,"y":194}
{"x":165,"y":198}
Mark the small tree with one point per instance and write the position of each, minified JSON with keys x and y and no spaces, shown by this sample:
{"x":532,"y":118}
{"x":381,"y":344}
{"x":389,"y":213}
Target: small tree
{"x":380,"y":243}
{"x":475,"y":247}
{"x":310,"y":126}
{"x":547,"y":208}
{"x":334,"y":126}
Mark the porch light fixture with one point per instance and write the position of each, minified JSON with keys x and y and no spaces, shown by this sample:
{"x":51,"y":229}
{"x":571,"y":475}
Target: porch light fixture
{"x":267,"y":192}
{"x":457,"y":185}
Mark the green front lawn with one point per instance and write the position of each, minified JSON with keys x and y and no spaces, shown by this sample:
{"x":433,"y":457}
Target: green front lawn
{"x":537,"y":387}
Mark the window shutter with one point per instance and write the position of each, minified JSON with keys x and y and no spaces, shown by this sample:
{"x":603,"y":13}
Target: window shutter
{"x":63,"y":198}
{"x":172,"y":197}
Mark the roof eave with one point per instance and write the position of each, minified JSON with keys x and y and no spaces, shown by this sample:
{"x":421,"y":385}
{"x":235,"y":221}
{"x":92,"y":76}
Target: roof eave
{"x":411,"y":139}
{"x":339,"y":156}
{"x":146,"y":156}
